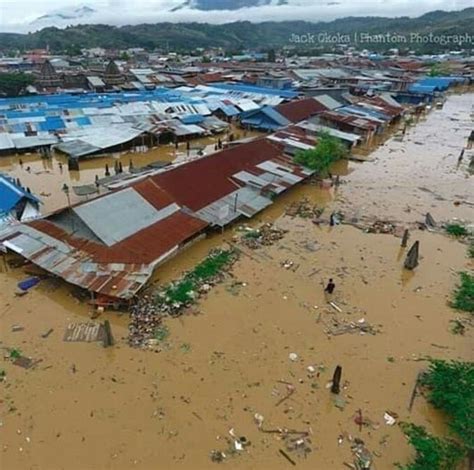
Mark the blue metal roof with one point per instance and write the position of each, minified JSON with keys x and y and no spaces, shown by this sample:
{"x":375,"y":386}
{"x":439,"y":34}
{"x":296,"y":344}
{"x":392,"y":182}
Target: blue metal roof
{"x":289,"y":94}
{"x":83,"y":121}
{"x":192,"y":119}
{"x":266,"y":118}
{"x":11,"y":194}
{"x":417,"y":88}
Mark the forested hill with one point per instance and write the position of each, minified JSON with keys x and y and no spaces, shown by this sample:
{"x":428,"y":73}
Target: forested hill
{"x":233,"y":36}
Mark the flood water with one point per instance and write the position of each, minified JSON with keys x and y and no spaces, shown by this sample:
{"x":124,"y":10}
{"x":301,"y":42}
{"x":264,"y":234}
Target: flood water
{"x":85,"y":407}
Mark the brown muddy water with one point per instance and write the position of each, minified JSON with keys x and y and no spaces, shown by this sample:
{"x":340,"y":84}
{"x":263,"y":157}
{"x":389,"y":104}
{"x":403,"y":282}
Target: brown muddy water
{"x":85,"y":407}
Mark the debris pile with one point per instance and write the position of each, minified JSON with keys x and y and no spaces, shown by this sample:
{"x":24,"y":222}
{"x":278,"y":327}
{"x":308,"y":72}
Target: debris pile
{"x":171,"y":300}
{"x":145,"y":323}
{"x":304,"y":209}
{"x":266,"y":235}
{"x":362,"y":457}
{"x":382,"y":226}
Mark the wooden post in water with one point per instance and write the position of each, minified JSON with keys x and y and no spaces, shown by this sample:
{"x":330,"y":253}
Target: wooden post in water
{"x":411,"y":261}
{"x":336,"y":380}
{"x":406,"y":236}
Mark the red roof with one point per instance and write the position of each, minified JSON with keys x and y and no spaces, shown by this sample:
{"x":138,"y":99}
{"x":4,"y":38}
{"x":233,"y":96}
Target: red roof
{"x":155,"y":195}
{"x":201,"y":182}
{"x":296,"y":111}
{"x":143,"y":247}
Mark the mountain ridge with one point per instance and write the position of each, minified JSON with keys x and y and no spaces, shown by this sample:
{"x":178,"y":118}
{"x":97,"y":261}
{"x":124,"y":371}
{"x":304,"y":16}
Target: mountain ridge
{"x":235,"y":35}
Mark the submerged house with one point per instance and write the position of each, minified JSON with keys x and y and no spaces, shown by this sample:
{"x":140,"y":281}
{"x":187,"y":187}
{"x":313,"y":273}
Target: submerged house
{"x":111,"y":245}
{"x":16,"y":202}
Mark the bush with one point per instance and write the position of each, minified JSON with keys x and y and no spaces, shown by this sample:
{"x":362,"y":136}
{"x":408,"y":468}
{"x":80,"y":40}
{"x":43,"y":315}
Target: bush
{"x":456,"y":230}
{"x":432,"y":453}
{"x":464,"y":294}
{"x":451,"y":389}
{"x":182,"y":291}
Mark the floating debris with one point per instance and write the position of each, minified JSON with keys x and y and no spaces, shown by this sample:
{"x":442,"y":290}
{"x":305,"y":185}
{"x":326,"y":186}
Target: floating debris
{"x":266,"y":235}
{"x":84,"y":332}
{"x":363,"y":458}
{"x":341,"y":327}
{"x":304,"y":209}
{"x":381,"y":226}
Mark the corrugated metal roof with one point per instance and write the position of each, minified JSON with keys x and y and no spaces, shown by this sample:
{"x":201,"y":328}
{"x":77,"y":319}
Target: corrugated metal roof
{"x":119,"y":215}
{"x":119,"y":271}
{"x":11,"y":194}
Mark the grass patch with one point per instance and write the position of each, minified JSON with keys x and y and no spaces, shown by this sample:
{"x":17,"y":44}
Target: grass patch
{"x":15,"y":353}
{"x":432,"y":453}
{"x":464,"y":294}
{"x":450,"y":386}
{"x":457,"y":230}
{"x":252,"y":234}
{"x":161,"y":333}
{"x":183,"y":291}
{"x":211,"y":266}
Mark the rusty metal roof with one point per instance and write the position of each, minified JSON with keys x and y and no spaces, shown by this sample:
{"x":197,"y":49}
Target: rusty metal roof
{"x":118,"y":271}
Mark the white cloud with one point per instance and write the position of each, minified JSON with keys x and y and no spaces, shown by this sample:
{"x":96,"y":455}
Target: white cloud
{"x":15,"y":15}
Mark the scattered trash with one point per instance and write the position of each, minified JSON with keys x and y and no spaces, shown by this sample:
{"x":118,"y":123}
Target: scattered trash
{"x":390,"y":418}
{"x":26,"y":362}
{"x":47,"y":333}
{"x":287,"y":264}
{"x":217,"y":456}
{"x":290,"y":390}
{"x":266,"y":235}
{"x":28,"y":283}
{"x":287,"y":457}
{"x":382,"y":227}
{"x":259,"y":419}
{"x":341,"y":327}
{"x":304,"y":209}
{"x":335,"y":307}
{"x":363,"y":458}
{"x":293,"y":357}
{"x":16,"y":328}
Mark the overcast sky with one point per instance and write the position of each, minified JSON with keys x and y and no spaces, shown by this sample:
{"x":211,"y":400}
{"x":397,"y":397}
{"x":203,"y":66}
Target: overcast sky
{"x":16,"y":15}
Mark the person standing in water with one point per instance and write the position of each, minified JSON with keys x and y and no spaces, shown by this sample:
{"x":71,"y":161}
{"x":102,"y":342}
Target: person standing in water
{"x":328,"y":291}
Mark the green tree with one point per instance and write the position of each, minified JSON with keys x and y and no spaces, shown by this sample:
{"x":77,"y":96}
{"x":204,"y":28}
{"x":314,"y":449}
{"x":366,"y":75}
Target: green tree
{"x":438,"y":70}
{"x":328,"y":150}
{"x":13,"y":84}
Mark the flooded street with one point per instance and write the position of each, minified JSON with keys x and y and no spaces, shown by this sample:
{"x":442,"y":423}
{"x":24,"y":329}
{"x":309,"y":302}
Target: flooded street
{"x":86,"y":407}
{"x":419,"y":172}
